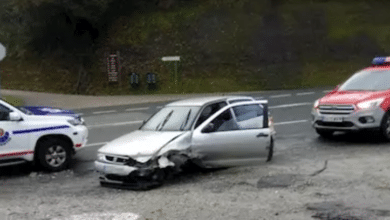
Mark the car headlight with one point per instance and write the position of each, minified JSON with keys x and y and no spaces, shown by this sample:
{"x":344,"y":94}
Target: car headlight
{"x":316,"y":104}
{"x":370,"y":104}
{"x":76,"y":121}
{"x":101,"y":157}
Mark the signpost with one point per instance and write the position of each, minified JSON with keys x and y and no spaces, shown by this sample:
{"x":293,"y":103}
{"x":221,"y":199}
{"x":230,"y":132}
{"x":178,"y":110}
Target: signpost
{"x":113,"y":68}
{"x":3,"y":52}
{"x":174,"y":70}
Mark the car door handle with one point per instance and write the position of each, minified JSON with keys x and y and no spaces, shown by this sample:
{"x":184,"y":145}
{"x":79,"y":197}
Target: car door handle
{"x":262,"y":135}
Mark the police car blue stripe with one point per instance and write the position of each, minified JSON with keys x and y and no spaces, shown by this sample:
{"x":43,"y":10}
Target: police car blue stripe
{"x":39,"y":129}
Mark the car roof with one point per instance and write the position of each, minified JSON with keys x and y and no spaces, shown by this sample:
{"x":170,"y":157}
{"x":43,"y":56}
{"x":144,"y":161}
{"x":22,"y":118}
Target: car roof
{"x":200,"y":101}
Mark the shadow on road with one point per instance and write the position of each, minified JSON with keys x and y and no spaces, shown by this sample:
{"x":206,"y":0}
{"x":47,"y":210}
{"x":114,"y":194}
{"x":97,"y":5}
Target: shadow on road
{"x":17,"y":170}
{"x":355,"y":138}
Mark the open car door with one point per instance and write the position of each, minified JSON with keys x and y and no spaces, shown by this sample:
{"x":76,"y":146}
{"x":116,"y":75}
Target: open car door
{"x":237,"y":134}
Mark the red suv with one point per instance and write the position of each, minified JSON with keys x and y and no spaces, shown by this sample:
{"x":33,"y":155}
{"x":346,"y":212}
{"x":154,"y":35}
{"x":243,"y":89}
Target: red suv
{"x":362,"y":102}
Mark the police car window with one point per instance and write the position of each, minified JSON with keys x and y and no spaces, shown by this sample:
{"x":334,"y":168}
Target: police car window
{"x":249,"y":116}
{"x":370,"y":80}
{"x":4,"y":108}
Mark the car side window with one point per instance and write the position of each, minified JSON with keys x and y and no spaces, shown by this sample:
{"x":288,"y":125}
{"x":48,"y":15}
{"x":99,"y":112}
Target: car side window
{"x":223,"y":122}
{"x":209,"y":111}
{"x":249,"y":116}
{"x":4,"y":113}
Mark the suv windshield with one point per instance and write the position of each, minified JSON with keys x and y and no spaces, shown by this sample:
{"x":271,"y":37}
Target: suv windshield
{"x":371,"y":80}
{"x":175,"y":118}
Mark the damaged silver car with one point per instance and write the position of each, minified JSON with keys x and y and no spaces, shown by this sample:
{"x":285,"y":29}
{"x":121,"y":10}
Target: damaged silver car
{"x":208,"y":132}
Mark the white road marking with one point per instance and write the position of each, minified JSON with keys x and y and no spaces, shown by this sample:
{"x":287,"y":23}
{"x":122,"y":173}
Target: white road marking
{"x":290,"y":122}
{"x":305,"y":93}
{"x":115,"y":124}
{"x":326,"y":91}
{"x":96,"y":144}
{"x":280,"y":96}
{"x":290,"y":105}
{"x":101,"y":216}
{"x":80,"y":114}
{"x":136,"y":109}
{"x":159,"y":106}
{"x":104,"y":112}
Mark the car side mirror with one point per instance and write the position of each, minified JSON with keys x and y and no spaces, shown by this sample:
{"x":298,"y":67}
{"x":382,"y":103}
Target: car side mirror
{"x":15,"y":116}
{"x":210,"y":127}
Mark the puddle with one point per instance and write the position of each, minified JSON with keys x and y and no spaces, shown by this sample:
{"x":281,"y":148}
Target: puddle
{"x":278,"y":181}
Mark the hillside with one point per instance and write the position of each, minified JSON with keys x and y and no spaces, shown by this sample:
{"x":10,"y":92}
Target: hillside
{"x":226,"y":45}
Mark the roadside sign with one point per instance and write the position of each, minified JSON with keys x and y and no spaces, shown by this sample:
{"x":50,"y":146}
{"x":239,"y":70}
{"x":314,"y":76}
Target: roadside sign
{"x":175,"y":60}
{"x":113,"y":67}
{"x":3,"y":52}
{"x":172,"y":58}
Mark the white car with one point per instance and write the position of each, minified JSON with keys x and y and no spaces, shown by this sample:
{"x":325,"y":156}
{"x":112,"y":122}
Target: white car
{"x":44,"y":135}
{"x":208,"y":132}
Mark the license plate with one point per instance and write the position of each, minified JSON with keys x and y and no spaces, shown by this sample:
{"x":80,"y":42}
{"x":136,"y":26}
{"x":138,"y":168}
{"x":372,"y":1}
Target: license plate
{"x":332,"y":119}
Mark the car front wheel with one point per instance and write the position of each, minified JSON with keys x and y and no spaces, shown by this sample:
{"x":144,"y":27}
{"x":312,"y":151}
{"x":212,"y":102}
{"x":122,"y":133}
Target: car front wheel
{"x":385,"y":126}
{"x":54,"y":154}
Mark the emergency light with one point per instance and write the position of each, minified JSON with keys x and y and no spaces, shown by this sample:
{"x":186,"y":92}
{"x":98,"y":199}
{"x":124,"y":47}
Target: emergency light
{"x":381,"y":60}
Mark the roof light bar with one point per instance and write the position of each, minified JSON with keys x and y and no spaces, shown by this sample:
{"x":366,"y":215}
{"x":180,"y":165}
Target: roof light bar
{"x":381,"y":60}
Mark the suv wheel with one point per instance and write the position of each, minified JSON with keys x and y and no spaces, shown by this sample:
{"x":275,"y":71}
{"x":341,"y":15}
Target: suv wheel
{"x":324,"y":133}
{"x":54,"y":154}
{"x":385,"y":126}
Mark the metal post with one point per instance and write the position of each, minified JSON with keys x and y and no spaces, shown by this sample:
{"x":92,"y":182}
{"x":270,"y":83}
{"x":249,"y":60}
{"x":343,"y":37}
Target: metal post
{"x":176,"y":84}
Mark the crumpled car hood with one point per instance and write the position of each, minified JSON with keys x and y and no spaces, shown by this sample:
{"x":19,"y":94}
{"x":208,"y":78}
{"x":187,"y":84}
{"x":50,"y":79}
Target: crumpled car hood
{"x":139,"y":143}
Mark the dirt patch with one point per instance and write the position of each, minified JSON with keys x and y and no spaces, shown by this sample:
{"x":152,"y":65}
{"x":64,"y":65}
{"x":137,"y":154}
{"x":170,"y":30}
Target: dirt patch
{"x":278,"y":181}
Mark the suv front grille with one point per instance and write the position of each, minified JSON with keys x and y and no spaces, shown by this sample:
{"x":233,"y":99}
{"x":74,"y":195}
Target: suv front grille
{"x":116,"y":159}
{"x":335,"y":124}
{"x":336,"y":109}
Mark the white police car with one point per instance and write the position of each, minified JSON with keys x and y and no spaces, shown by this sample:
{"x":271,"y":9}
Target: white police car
{"x":44,"y":135}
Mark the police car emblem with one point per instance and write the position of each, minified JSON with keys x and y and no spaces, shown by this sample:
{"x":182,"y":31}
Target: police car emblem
{"x":4,"y":137}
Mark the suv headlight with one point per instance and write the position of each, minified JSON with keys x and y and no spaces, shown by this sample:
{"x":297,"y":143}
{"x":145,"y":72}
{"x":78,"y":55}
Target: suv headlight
{"x":370,"y":104}
{"x":76,"y":121}
{"x":316,"y":104}
{"x":101,"y":157}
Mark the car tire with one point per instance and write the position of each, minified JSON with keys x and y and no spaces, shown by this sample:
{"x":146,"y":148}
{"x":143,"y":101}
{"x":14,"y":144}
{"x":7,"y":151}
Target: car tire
{"x":270,"y":151}
{"x":54,"y":154}
{"x":325,"y":133}
{"x":385,"y":126}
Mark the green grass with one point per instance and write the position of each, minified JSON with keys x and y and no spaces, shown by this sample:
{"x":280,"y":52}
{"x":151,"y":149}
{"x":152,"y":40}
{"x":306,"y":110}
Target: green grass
{"x":328,"y":73}
{"x":169,"y":32}
{"x":15,"y":101}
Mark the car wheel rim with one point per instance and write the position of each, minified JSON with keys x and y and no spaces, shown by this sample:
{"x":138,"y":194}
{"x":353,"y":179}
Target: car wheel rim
{"x":388,"y":127}
{"x":55,"y":156}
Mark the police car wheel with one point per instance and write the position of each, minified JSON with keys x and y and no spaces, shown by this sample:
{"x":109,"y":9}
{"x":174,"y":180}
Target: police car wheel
{"x":385,"y":126}
{"x":54,"y":154}
{"x":325,"y":133}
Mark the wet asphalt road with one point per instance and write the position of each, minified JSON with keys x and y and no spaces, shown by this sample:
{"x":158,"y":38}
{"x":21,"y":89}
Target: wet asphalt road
{"x":305,"y":168}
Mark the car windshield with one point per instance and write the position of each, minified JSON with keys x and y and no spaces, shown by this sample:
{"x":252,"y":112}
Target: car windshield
{"x":172,"y":118}
{"x":24,"y":110}
{"x":370,"y":80}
